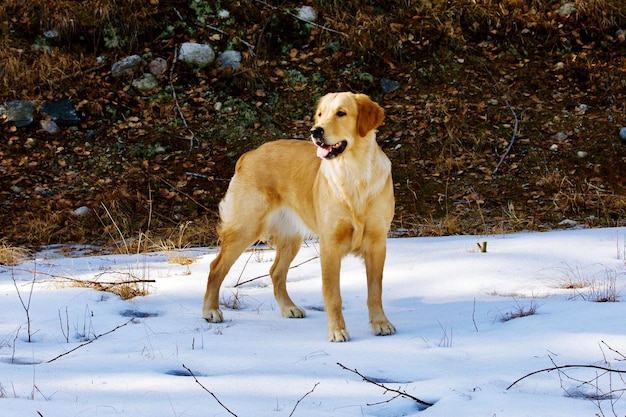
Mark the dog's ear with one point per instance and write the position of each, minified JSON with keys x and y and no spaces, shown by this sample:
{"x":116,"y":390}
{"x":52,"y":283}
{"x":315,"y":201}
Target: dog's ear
{"x":370,"y":115}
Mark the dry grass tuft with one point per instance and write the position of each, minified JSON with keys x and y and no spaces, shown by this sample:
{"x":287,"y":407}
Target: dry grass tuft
{"x":11,"y":255}
{"x":520,"y":311}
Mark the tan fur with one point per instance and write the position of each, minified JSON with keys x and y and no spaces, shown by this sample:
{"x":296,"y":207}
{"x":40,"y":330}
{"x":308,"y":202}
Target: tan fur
{"x":284,"y":192}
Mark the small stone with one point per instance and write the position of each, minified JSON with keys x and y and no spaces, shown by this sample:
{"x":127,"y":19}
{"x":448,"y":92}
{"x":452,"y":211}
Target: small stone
{"x":157,"y":66}
{"x":223,"y":14}
{"x":568,"y":223}
{"x":582,"y":154}
{"x":146,"y":83}
{"x":388,"y":85}
{"x":16,"y":189}
{"x":567,"y":9}
{"x":561,"y":136}
{"x":559,"y":66}
{"x":581,"y":109}
{"x":20,"y":112}
{"x":554,"y":147}
{"x":622,"y":134}
{"x":197,"y":55}
{"x":126,"y":65}
{"x":82,"y":211}
{"x":307,"y":13}
{"x":49,"y":126}
{"x":230,"y":59}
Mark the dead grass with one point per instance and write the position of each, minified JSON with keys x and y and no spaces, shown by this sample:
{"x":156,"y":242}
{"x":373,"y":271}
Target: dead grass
{"x":12,"y":255}
{"x":520,"y":311}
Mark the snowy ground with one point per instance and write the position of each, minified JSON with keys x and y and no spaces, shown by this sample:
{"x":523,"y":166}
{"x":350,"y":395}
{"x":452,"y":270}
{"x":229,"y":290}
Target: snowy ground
{"x":447,"y":300}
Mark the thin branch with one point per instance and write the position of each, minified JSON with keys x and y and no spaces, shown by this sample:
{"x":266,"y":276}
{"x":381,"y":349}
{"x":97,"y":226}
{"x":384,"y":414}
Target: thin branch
{"x":378,"y":384}
{"x":267,"y":275}
{"x":558,"y":368}
{"x":299,"y":18}
{"x":192,"y":135}
{"x":205,"y":388}
{"x":302,"y":398}
{"x":513,"y":136}
{"x":249,"y":45}
{"x":90,"y":341}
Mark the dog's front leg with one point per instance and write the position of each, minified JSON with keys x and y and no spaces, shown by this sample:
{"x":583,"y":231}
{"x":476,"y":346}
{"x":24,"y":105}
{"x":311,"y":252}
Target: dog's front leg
{"x":374,"y":263}
{"x":331,"y":265}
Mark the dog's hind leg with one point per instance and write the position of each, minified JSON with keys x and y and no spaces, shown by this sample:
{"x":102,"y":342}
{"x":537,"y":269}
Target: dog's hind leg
{"x":234,"y":243}
{"x":286,"y":249}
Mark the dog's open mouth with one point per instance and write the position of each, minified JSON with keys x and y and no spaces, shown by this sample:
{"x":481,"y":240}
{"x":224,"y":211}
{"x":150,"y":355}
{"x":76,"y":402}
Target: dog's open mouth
{"x":330,"y":151}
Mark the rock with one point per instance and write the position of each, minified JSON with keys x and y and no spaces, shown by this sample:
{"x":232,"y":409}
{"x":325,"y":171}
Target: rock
{"x":16,"y":189}
{"x":581,"y":154}
{"x":568,"y":223}
{"x":567,"y":9}
{"x":388,"y":85}
{"x":157,"y":66}
{"x":146,"y":83}
{"x":82,"y":211}
{"x":49,"y":126}
{"x":307,"y":13}
{"x":197,"y":55}
{"x":20,"y":112}
{"x":622,"y":134}
{"x":229,"y":59}
{"x":126,"y":65}
{"x":62,"y":110}
{"x":561,"y":136}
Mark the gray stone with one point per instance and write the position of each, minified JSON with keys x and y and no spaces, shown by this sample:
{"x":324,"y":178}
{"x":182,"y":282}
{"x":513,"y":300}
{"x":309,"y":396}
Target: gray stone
{"x":229,"y":59}
{"x":20,"y":112}
{"x":388,"y":85}
{"x":49,"y":126}
{"x":82,"y":211}
{"x":126,"y":65}
{"x":567,"y":9}
{"x":61,"y":110}
{"x":146,"y":83}
{"x":197,"y":55}
{"x":622,"y":134}
{"x":307,"y":13}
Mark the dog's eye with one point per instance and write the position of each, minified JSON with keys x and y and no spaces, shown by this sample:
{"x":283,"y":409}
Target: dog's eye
{"x":341,"y":113}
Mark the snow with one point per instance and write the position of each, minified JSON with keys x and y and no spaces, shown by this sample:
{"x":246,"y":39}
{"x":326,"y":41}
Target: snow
{"x":94,"y":354}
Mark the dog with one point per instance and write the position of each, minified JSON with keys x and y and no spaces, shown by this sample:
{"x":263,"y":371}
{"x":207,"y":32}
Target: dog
{"x":337,"y":187}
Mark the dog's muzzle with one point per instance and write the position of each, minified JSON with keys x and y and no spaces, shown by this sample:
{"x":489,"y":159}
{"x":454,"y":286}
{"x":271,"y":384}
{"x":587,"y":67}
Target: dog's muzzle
{"x":325,"y":150}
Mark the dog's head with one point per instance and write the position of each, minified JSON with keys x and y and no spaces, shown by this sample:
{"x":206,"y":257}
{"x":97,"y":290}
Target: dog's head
{"x":341,"y":119}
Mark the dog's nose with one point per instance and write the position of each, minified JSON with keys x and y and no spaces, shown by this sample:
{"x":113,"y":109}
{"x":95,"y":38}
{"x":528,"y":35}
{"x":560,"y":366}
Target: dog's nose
{"x":317,"y":132}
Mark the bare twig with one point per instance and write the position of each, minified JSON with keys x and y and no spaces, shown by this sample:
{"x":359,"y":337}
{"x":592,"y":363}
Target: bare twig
{"x":558,"y":368}
{"x":513,"y":136}
{"x":301,"y":19}
{"x":212,"y":395}
{"x":192,"y":135}
{"x":267,"y":275}
{"x":378,"y":384}
{"x":90,"y":341}
{"x":302,"y":398}
{"x":249,"y":45}
{"x":26,"y":304}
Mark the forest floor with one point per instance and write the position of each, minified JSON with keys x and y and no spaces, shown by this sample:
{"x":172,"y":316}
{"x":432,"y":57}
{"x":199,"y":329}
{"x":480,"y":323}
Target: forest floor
{"x":506,"y":116}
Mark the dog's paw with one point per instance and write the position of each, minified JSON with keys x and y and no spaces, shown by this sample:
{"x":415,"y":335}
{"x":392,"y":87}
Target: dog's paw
{"x":213,"y":316}
{"x":293,"y":312}
{"x":383,"y":328}
{"x":338,"y":335}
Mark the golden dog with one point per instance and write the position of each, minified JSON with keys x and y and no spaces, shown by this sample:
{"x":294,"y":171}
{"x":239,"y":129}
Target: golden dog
{"x":337,"y":186}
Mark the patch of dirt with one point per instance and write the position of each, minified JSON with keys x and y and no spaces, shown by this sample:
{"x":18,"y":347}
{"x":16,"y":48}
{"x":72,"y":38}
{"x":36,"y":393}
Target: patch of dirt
{"x":506,"y":118}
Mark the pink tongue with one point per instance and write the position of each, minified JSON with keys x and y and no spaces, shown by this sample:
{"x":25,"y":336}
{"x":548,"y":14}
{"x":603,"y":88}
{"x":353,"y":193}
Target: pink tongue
{"x":322,"y":152}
